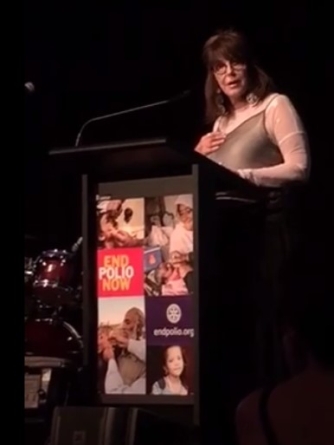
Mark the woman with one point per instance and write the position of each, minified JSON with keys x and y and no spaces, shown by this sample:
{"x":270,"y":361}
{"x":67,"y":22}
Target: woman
{"x":257,"y":134}
{"x":299,"y":411}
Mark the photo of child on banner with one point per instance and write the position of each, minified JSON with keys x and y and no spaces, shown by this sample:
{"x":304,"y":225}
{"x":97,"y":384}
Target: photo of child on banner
{"x":170,"y":370}
{"x":120,"y":222}
{"x":168,"y":254}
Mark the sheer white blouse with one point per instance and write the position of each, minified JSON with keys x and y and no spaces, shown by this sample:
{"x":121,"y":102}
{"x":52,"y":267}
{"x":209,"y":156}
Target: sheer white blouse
{"x":285,"y":129}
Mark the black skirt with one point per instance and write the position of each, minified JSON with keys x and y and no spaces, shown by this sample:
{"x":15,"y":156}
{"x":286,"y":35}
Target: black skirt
{"x":253,"y":244}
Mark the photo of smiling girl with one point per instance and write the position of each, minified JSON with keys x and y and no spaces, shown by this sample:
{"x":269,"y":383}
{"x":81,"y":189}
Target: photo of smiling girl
{"x":174,"y":368}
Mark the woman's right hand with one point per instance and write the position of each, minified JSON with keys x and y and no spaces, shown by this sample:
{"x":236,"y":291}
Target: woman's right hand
{"x":210,"y":142}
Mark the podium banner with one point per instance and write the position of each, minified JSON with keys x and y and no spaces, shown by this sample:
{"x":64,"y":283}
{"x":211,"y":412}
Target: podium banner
{"x":144,"y":289}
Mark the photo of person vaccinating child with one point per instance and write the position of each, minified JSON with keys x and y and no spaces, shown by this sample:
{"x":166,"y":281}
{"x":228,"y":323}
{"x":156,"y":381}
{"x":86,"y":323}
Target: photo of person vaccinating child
{"x":168,"y":256}
{"x":170,"y":371}
{"x":121,"y":343}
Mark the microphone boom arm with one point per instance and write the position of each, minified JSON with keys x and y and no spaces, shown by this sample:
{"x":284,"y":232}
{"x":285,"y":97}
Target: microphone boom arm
{"x":117,"y":113}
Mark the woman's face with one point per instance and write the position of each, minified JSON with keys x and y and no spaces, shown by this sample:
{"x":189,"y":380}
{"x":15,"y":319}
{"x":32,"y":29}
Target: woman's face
{"x":186,"y":216}
{"x":174,"y":361}
{"x":232,"y":79}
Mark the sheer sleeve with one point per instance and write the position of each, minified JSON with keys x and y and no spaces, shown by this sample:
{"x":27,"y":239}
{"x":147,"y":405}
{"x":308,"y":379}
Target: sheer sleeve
{"x":286,"y":130}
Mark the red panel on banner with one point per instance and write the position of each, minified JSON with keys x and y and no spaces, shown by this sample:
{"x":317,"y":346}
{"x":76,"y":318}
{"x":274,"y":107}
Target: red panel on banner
{"x":120,"y":272}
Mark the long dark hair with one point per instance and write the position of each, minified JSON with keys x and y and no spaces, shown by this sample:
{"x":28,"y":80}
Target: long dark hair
{"x":183,"y":376}
{"x":232,"y":46}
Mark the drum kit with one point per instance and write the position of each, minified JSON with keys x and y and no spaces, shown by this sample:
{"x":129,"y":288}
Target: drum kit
{"x":53,"y":316}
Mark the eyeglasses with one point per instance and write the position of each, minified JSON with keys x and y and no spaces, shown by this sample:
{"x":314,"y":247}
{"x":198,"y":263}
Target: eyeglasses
{"x":228,"y":66}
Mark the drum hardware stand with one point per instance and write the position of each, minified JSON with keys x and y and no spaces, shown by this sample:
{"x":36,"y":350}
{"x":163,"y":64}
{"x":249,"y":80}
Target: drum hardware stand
{"x":76,"y":245}
{"x":78,"y":294}
{"x":56,"y":316}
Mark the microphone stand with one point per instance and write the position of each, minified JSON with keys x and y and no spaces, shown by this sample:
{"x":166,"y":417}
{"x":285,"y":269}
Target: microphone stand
{"x":128,"y":111}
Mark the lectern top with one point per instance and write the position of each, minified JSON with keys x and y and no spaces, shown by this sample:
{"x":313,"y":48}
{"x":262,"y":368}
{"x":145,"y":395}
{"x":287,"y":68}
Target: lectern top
{"x":143,"y":159}
{"x":98,"y":149}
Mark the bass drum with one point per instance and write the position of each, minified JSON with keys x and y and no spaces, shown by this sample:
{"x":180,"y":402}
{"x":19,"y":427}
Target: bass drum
{"x":53,"y":361}
{"x":52,"y":338}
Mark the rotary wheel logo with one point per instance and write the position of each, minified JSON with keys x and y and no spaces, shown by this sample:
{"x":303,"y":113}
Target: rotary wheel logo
{"x":173,"y":313}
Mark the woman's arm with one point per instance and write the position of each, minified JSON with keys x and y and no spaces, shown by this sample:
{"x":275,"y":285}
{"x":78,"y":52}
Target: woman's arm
{"x":287,"y":132}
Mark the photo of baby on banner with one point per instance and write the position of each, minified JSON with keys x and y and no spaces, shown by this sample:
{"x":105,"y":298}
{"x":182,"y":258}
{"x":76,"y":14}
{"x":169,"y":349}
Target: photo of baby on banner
{"x":168,"y":251}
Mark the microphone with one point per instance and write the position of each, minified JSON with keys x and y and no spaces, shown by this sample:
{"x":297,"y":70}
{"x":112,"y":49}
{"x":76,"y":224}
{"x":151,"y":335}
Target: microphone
{"x":76,"y":245}
{"x":129,"y":111}
{"x":29,"y":87}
